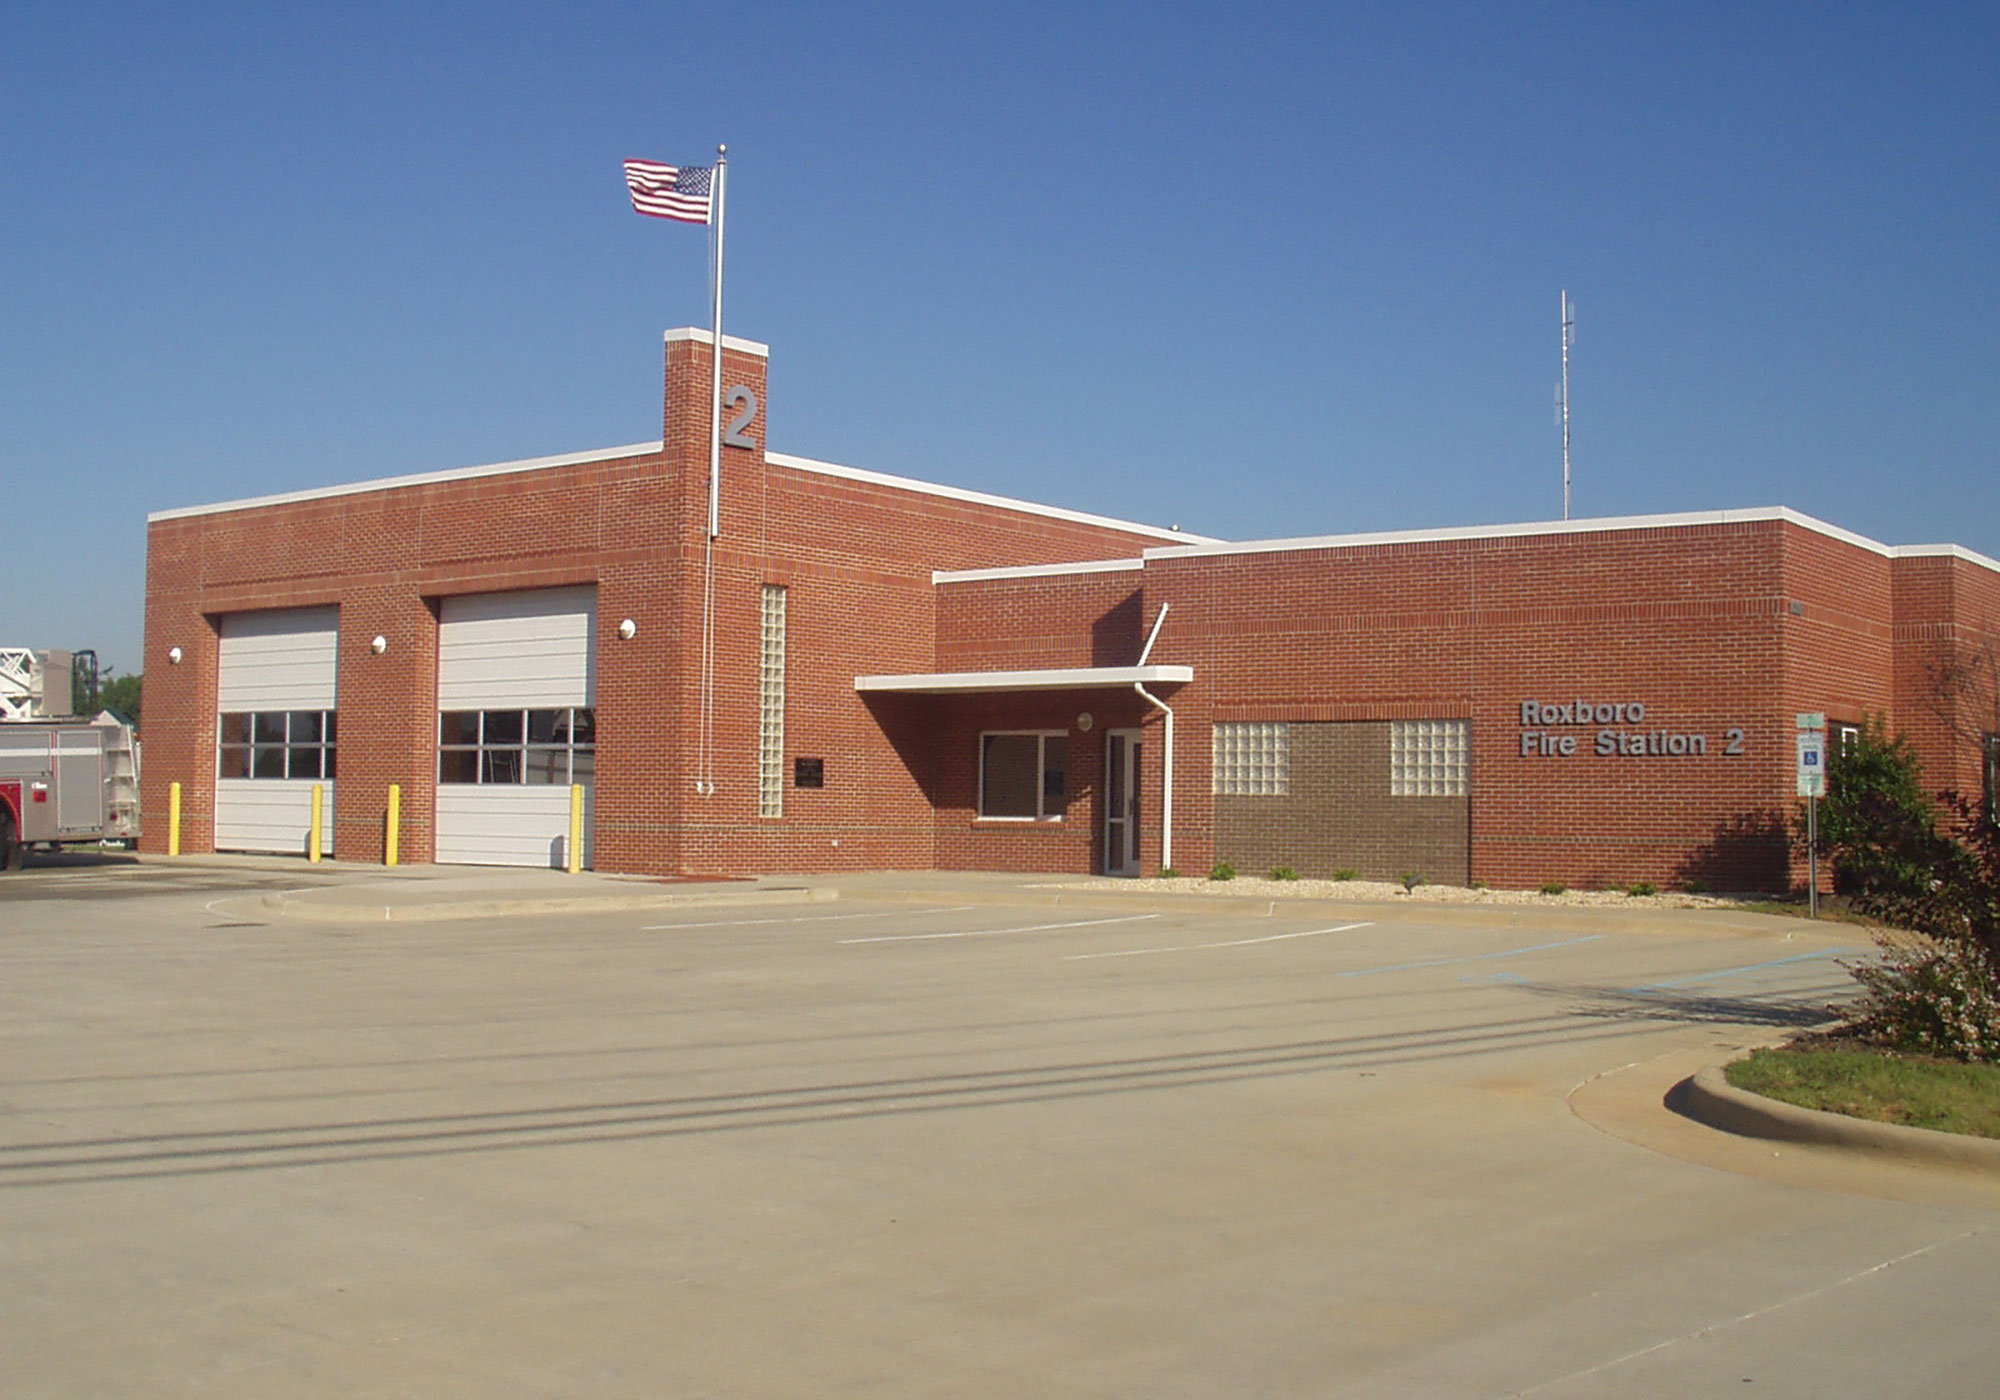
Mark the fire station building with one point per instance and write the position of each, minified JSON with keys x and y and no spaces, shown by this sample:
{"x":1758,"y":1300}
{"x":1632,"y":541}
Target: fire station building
{"x":844,"y":670}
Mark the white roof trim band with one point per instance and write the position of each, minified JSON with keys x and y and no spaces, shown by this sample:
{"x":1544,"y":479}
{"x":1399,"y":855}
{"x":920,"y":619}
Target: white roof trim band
{"x":729,"y":342}
{"x":390,"y":483}
{"x":981,"y":498}
{"x":1197,"y":550}
{"x":1068,"y":678}
{"x":1090,"y":566}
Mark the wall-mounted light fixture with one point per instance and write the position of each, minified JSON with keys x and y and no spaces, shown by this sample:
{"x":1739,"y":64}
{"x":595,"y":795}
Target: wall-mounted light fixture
{"x":379,"y":645}
{"x":174,"y":656}
{"x":628,"y":629}
{"x":1084,"y":721}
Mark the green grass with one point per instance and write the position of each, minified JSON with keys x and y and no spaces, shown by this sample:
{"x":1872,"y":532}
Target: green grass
{"x":1871,"y":1084}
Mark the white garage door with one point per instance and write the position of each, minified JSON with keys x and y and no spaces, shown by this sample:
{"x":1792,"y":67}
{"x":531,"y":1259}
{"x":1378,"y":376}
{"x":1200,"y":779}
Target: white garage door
{"x":275,"y":728}
{"x":517,"y":680}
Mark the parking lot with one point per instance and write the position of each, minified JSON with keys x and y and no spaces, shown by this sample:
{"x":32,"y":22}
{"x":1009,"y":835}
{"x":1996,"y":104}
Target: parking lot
{"x":936,"y":1140}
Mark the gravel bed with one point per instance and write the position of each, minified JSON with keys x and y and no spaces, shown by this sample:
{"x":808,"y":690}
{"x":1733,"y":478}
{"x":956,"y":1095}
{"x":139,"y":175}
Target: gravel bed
{"x":1376,"y":891}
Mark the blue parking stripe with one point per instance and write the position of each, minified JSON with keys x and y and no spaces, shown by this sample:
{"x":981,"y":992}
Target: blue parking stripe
{"x":1739,"y":971}
{"x":1471,"y":958}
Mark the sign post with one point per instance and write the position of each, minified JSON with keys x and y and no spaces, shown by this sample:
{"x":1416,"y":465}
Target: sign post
{"x":1812,"y":787}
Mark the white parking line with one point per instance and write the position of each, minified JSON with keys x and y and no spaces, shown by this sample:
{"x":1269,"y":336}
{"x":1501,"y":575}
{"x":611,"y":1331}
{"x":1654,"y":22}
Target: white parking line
{"x":1232,"y":943}
{"x":991,"y":932}
{"x":810,"y":919}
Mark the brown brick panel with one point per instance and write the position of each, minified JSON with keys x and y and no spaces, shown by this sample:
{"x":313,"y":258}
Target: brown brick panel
{"x":1338,"y":815}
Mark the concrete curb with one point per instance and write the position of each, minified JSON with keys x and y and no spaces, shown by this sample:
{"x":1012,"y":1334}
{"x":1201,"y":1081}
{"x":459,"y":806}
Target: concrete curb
{"x":1710,"y":1098}
{"x":1136,"y":895}
{"x":359,"y":894}
{"x":295,"y":907}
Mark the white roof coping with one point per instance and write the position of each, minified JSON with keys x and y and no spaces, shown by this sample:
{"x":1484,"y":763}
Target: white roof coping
{"x":1088,"y":566}
{"x":388,"y":483}
{"x":1942,"y":551}
{"x":729,"y":342}
{"x":1571,"y":527}
{"x":1067,"y":678}
{"x":957,"y":493}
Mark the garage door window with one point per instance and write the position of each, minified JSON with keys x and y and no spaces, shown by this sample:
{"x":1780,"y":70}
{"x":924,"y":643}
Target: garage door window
{"x":276,"y":744}
{"x":544,"y":747}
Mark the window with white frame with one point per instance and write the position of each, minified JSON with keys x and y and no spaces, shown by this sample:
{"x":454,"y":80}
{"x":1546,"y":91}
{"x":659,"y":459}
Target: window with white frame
{"x":1430,"y":758}
{"x":1253,"y":760}
{"x":771,"y":705}
{"x":1024,"y":775}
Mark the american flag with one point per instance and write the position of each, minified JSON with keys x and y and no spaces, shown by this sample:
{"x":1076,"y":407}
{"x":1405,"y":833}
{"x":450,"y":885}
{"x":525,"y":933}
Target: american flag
{"x":670,"y":191}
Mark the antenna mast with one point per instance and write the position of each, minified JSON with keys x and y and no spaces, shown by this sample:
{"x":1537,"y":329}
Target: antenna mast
{"x":1569,"y":339}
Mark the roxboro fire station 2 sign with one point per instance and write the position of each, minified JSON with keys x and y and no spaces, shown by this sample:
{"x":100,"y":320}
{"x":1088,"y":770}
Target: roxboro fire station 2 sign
{"x":1619,"y":735}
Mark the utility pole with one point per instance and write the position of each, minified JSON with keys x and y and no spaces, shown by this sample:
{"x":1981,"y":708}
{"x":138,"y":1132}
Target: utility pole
{"x":1569,"y":339}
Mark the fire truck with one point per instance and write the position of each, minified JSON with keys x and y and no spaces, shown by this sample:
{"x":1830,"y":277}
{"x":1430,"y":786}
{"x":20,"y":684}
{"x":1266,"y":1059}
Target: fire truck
{"x":64,"y":778}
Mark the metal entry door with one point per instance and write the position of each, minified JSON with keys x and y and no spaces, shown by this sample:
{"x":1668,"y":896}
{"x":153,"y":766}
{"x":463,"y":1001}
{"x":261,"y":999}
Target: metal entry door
{"x":1121,"y":802}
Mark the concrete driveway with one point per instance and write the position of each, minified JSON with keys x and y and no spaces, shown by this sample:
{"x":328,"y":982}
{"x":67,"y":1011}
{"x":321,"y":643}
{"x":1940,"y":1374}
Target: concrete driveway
{"x":931,"y":1139}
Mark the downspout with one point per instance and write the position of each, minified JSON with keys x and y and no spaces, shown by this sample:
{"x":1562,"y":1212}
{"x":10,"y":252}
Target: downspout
{"x":1167,"y":763}
{"x":1166,"y":781}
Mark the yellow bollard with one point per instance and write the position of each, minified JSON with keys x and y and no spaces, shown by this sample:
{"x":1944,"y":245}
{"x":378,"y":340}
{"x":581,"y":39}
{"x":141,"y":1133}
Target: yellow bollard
{"x":173,"y":819}
{"x":392,"y":830}
{"x":575,"y":828}
{"x":317,"y":830}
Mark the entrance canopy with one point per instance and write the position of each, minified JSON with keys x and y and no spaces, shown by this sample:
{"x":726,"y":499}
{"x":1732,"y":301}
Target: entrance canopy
{"x":1064,"y":678}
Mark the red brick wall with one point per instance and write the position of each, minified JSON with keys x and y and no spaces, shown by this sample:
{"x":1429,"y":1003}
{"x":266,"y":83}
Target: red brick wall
{"x":179,"y":729}
{"x":1679,"y":620}
{"x":1075,"y":843}
{"x":856,"y":558}
{"x":1947,"y":644}
{"x":1713,"y":627}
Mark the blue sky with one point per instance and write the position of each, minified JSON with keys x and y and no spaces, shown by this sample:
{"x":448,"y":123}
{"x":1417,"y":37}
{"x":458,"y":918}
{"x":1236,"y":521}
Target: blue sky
{"x":1259,"y":271}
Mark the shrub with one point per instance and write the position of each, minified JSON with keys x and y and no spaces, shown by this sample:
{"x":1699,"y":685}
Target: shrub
{"x":1479,"y":885}
{"x":1930,"y":998}
{"x":1694,"y":885}
{"x":1640,"y":889}
{"x":1955,"y":897}
{"x":1167,"y":872}
{"x":1877,"y":822}
{"x":1554,"y":887}
{"x":1283,"y":872}
{"x":1347,"y":875}
{"x":1223,"y":871}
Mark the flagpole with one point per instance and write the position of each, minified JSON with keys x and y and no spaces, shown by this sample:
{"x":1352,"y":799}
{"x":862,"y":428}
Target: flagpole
{"x":715,"y":405}
{"x":704,"y":782}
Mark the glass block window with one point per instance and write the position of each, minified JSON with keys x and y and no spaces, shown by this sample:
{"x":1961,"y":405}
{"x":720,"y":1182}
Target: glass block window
{"x":771,"y":706}
{"x":1430,"y":758}
{"x":276,"y":744}
{"x":1253,"y":760}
